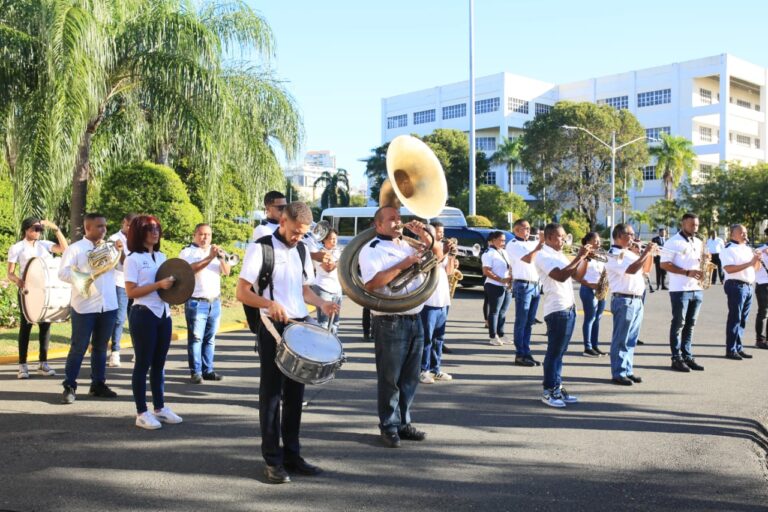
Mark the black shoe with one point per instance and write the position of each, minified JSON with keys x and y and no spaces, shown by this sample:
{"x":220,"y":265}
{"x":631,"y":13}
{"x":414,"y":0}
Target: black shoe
{"x":693,"y":365}
{"x":212,"y":376}
{"x":680,"y":366}
{"x":537,"y":321}
{"x":590,"y":352}
{"x":651,"y":290}
{"x":531,"y":359}
{"x":390,"y":439}
{"x":635,"y":379}
{"x":302,"y":467}
{"x":761,"y":344}
{"x":410,"y":433}
{"x":196,"y":378}
{"x":622,"y":381}
{"x":446,"y":350}
{"x":664,"y":288}
{"x":522,"y":361}
{"x":640,"y":342}
{"x":734,"y":356}
{"x":366,"y":338}
{"x":744,"y":355}
{"x":68,"y":397}
{"x":276,"y":475}
{"x":600,"y":352}
{"x":101,"y":390}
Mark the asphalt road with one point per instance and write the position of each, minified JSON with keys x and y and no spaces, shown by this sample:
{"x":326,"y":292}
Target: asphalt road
{"x":675,"y":442}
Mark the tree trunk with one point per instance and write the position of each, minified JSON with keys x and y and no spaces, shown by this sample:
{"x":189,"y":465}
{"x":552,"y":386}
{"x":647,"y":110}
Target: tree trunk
{"x":163,"y":152}
{"x":80,"y":175}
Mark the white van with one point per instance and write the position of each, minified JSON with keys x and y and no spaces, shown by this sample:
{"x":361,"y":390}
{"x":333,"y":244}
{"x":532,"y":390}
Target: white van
{"x":349,"y":221}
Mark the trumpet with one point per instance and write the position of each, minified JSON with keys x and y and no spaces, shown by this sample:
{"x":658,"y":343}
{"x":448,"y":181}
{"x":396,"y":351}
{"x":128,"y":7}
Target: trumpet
{"x":229,"y":259}
{"x":641,"y":246}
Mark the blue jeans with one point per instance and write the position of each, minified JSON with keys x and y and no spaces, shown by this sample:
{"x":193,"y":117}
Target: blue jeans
{"x":498,"y":303}
{"x":122,"y":314}
{"x":202,"y":323}
{"x":560,"y":326}
{"x":593,"y":312}
{"x":322,"y":318}
{"x":685,"y":310}
{"x":526,"y":303}
{"x":739,"y":303}
{"x":433,"y":321}
{"x":93,"y":329}
{"x":398,"y":342}
{"x":151,"y":341}
{"x":627,"y":317}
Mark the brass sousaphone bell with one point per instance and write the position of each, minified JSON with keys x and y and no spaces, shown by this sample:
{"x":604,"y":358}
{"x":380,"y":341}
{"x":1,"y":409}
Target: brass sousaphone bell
{"x":415,"y":180}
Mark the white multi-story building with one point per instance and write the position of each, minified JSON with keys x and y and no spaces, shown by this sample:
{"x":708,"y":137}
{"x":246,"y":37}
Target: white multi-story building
{"x":304,"y":176}
{"x":719,"y":103}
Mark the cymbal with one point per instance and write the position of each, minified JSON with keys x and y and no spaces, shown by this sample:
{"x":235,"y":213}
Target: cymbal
{"x":184,"y":281}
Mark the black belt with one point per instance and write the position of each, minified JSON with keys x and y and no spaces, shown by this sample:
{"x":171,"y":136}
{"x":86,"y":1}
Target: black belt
{"x":739,"y":282}
{"x":396,"y":317}
{"x":525,"y":281}
{"x":203,"y":299}
{"x":628,"y":295}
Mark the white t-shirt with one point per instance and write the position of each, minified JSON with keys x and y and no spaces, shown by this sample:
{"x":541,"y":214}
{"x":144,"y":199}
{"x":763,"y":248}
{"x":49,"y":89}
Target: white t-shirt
{"x":103,"y":292}
{"x":328,"y":281}
{"x":265,"y":229}
{"x":287,"y":277}
{"x":618,"y":279}
{"x":499,"y":263}
{"x":761,"y":276}
{"x":516,"y":250}
{"x":119,"y":278}
{"x":383,"y":254}
{"x":441,"y":297}
{"x":688,"y":257}
{"x":557,"y":296}
{"x":738,"y":254}
{"x":141,"y":269}
{"x":22,"y":251}
{"x":715,"y":245}
{"x":594,"y":269}
{"x":208,"y":279}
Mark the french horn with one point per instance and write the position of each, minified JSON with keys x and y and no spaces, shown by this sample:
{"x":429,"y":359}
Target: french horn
{"x":101,"y":259}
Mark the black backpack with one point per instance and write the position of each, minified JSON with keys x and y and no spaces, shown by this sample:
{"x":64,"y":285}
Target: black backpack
{"x":252,"y":315}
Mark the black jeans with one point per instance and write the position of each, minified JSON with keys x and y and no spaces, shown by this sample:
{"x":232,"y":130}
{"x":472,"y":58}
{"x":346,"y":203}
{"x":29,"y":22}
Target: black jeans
{"x":273,"y":386}
{"x":761,"y":329}
{"x":719,"y":271}
{"x":366,"y":322}
{"x":25,"y":329}
{"x":661,"y":274}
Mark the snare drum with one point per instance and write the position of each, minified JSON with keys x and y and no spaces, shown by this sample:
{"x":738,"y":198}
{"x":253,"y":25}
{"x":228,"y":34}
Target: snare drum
{"x":309,"y":354}
{"x":45,"y":298}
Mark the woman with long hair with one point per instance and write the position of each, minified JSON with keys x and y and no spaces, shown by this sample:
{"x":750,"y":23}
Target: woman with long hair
{"x":498,"y":275}
{"x":593,"y":308}
{"x":150,"y":321}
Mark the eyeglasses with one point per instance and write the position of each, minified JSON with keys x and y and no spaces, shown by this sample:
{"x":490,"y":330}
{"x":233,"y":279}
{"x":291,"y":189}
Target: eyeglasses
{"x":280,"y":207}
{"x":38,"y":228}
{"x":152,"y":228}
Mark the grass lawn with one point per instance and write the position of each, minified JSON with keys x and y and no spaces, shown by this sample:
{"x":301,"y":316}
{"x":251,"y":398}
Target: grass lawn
{"x":60,"y":332}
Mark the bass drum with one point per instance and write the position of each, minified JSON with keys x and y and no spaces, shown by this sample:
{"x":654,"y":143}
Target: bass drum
{"x":45,"y":298}
{"x":309,"y":354}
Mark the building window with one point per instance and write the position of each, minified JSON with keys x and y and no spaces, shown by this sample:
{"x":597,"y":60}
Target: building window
{"x":489,"y":105}
{"x":517,"y":105}
{"x":706,"y":96}
{"x":521,"y":177}
{"x":757,"y":143}
{"x":705,"y":134}
{"x":649,"y":173}
{"x":542,"y":108}
{"x":425,"y":116}
{"x":454,"y":111}
{"x":397,"y":121}
{"x":655,"y":133}
{"x":743,"y":140}
{"x":617,"y":102}
{"x":489,"y":178}
{"x":705,"y":171}
{"x":647,"y":99}
{"x":743,"y":103}
{"x":487,"y":144}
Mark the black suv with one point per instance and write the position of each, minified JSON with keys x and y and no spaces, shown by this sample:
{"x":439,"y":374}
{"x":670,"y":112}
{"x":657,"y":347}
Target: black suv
{"x":470,"y":240}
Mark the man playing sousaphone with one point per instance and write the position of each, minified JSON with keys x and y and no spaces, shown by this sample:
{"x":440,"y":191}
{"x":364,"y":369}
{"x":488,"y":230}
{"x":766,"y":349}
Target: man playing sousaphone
{"x":282,"y":300}
{"x":30,"y":246}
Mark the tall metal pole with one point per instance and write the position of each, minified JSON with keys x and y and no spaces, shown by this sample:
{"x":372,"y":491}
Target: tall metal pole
{"x":613,"y":182}
{"x":472,"y":150}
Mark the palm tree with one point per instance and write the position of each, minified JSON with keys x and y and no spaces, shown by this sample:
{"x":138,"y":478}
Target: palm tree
{"x":674,"y":157}
{"x":508,"y":153}
{"x":335,"y":188}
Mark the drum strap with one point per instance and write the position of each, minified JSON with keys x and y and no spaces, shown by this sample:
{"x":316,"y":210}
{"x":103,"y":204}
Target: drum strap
{"x":269,"y":326}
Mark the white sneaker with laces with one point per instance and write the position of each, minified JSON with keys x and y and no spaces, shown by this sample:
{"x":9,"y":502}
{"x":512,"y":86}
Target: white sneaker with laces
{"x":442,"y":376}
{"x":44,"y":369}
{"x":496,"y":342}
{"x":565,"y":397}
{"x":166,"y":415}
{"x":505,"y":341}
{"x":426,"y":378}
{"x":23,"y":371}
{"x":114,"y":360}
{"x":551,"y":399}
{"x":148,"y":421}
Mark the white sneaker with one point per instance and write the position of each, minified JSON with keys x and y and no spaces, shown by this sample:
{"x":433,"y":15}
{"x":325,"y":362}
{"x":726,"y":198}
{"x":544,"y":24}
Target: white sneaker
{"x":496,"y":342}
{"x":426,"y":378}
{"x":166,"y":415}
{"x":23,"y":371}
{"x":505,"y":341}
{"x":442,"y":376}
{"x":551,"y":398}
{"x":44,"y":369}
{"x":148,"y":421}
{"x":563,"y":395}
{"x":114,"y":360}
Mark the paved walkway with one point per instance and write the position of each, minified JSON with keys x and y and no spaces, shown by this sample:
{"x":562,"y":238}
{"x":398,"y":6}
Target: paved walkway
{"x":674,"y":442}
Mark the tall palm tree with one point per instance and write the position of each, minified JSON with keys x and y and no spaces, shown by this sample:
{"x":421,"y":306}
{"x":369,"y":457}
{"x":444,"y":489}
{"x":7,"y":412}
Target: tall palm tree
{"x":508,"y":153}
{"x":335,"y":188}
{"x":674,"y":157}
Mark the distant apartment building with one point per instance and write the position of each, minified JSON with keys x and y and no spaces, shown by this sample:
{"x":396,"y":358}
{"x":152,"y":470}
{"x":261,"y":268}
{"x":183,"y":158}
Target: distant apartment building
{"x":304,"y":176}
{"x":719,"y":103}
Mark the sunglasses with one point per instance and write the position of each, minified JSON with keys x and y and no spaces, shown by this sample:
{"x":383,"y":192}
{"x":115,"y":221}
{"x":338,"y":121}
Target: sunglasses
{"x":152,"y":228}
{"x":38,"y":228}
{"x":280,"y":207}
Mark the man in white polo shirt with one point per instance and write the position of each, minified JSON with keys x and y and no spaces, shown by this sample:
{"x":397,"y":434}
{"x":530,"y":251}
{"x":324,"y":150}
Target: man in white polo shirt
{"x":203,"y":309}
{"x":274,"y":204}
{"x":715,"y":246}
{"x":557,"y":272}
{"x":123,"y":308}
{"x":761,"y":294}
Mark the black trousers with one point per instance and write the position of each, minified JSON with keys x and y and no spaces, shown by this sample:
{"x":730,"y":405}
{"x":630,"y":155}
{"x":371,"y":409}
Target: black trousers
{"x":661,"y":274}
{"x":366,"y":322}
{"x":274,"y":387}
{"x":761,"y":329}
{"x":25,"y":329}
{"x":719,"y":271}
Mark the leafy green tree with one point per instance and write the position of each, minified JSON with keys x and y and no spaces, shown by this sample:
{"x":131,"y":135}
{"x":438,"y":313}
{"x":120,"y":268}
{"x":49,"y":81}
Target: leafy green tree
{"x":674,"y":157}
{"x":508,"y":153}
{"x":640,"y":219}
{"x":665,"y":213}
{"x":479,"y":221}
{"x":335,"y":188}
{"x":493,"y":203}
{"x":571,"y":167}
{"x":357,"y":200}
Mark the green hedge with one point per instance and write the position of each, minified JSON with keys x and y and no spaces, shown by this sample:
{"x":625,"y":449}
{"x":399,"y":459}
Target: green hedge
{"x":9,"y":304}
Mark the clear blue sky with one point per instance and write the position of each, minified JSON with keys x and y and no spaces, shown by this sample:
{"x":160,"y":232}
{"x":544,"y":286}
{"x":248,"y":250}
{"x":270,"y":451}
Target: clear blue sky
{"x":340,"y":57}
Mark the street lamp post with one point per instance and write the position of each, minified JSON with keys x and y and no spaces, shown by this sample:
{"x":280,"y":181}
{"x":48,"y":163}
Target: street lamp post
{"x":613,"y":149}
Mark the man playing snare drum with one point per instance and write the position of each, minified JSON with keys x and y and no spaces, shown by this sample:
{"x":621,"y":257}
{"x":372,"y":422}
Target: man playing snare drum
{"x":283,"y":299}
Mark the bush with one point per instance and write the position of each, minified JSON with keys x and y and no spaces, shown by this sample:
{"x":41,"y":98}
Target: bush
{"x":152,"y":189}
{"x":9,"y":304}
{"x":478,"y":221}
{"x":576,"y":224}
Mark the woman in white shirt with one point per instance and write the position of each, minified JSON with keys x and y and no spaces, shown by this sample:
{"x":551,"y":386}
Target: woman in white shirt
{"x":497,"y":272}
{"x":327,"y":285}
{"x":593,"y":308}
{"x":150,"y":321}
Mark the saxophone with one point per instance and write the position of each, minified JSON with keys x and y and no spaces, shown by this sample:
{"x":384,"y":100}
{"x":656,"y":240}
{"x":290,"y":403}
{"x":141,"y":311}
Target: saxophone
{"x":453,"y":280}
{"x":706,"y":267}
{"x":601,"y":292}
